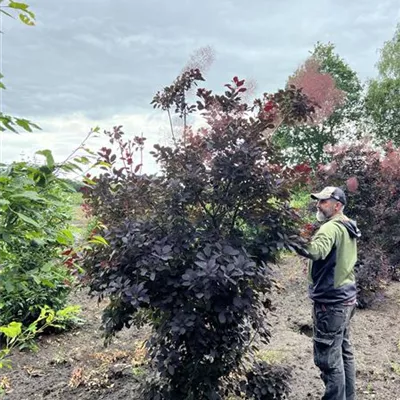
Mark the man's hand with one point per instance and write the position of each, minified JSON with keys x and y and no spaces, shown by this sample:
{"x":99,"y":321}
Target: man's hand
{"x":299,"y":245}
{"x":302,"y":251}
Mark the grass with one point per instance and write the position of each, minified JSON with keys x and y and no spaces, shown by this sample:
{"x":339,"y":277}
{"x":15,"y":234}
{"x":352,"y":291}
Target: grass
{"x":272,"y":357}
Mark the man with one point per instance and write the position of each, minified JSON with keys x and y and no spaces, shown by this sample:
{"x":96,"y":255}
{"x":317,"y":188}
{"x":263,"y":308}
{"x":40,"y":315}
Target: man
{"x":333,"y":254}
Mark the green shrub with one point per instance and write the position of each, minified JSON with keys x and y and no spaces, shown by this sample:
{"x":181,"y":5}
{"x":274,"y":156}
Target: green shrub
{"x":15,"y":335}
{"x":34,"y":218}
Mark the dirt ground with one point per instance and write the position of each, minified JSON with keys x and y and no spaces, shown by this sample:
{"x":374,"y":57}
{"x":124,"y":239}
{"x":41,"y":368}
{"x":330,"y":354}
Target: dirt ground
{"x":375,"y":336}
{"x":75,"y":365}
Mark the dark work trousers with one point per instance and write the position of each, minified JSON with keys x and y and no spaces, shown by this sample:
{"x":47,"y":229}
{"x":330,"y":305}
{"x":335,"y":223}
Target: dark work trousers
{"x":333,"y":352}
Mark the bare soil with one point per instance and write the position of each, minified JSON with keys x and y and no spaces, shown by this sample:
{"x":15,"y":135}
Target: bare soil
{"x":76,"y":365}
{"x":375,"y":336}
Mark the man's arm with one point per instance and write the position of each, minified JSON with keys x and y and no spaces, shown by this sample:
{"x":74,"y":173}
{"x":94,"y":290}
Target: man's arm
{"x":323,"y":241}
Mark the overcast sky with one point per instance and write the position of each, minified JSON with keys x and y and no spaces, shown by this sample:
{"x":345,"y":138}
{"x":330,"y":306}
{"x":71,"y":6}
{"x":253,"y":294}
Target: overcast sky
{"x":99,"y":62}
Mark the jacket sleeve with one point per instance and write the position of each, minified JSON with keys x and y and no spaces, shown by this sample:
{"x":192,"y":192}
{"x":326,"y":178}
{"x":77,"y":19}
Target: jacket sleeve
{"x":323,"y":241}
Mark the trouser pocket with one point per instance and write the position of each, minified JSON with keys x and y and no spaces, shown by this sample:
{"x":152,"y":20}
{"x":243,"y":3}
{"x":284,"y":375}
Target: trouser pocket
{"x":324,"y":350}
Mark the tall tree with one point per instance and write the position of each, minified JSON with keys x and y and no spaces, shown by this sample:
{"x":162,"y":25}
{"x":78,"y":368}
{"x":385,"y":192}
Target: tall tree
{"x":336,"y":87}
{"x":383,"y":95}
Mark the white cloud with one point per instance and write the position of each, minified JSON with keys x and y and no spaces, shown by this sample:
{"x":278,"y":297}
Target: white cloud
{"x":90,"y":39}
{"x":63,"y":135}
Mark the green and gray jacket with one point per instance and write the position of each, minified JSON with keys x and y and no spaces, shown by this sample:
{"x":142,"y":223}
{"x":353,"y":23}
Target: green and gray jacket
{"x":333,"y":254}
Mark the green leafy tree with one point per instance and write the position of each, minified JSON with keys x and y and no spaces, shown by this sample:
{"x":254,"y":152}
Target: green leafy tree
{"x":383,"y":95}
{"x":306,"y":143}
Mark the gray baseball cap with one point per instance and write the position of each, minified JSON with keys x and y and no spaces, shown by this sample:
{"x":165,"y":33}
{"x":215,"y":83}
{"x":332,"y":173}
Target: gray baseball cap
{"x":330,"y":192}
